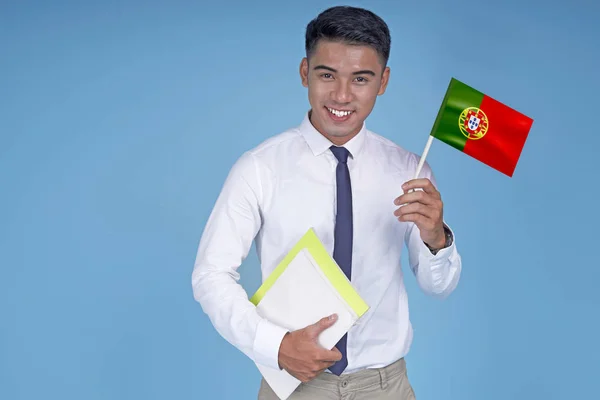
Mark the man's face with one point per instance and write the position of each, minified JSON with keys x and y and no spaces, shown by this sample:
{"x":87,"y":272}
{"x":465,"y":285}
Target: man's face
{"x":343,"y":83}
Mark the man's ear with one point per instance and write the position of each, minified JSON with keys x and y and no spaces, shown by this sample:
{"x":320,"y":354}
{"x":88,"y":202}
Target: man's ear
{"x":384,"y":81}
{"x":304,"y":72}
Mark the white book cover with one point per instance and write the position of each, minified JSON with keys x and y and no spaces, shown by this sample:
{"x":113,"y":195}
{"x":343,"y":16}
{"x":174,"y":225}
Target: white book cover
{"x":305,"y":287}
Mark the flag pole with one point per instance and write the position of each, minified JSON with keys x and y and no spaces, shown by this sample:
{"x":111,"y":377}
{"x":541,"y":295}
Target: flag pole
{"x":422,"y":160}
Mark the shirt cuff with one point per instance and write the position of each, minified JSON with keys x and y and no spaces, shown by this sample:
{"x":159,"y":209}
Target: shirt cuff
{"x":267,"y":342}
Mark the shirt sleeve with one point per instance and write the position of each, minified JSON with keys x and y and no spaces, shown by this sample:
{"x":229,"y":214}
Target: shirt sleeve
{"x":438,"y":274}
{"x":227,"y":238}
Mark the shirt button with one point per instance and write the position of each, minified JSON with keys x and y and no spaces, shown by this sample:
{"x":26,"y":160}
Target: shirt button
{"x":344,"y":384}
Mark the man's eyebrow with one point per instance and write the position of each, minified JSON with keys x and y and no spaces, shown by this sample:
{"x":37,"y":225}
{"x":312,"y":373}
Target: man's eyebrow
{"x":361,"y":72}
{"x":325,"y":67}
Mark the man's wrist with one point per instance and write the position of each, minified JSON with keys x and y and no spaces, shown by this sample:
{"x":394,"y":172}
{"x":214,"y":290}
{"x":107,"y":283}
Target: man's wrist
{"x":448,"y":239}
{"x":280,"y":347}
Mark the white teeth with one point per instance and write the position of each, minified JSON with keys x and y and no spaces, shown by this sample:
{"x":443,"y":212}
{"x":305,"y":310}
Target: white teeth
{"x":339,"y":113}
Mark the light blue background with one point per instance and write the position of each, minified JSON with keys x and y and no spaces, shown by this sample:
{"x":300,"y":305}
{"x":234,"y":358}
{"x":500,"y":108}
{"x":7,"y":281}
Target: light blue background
{"x":120,"y":120}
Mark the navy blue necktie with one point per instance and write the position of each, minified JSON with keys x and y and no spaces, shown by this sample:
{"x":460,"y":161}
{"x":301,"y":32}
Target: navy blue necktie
{"x":342,"y":250}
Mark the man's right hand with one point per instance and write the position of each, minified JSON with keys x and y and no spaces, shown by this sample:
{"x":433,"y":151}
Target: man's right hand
{"x":301,"y":355}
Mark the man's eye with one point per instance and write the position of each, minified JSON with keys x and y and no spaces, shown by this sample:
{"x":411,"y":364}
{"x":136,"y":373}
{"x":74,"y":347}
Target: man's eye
{"x":326,"y":76}
{"x":361,"y":79}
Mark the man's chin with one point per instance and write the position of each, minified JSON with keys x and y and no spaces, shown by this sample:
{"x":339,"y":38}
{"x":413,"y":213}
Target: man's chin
{"x":342,"y":130}
{"x":339,"y":130}
{"x":339,"y":134}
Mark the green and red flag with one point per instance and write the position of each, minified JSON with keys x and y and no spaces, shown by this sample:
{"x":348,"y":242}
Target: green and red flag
{"x":481,"y":127}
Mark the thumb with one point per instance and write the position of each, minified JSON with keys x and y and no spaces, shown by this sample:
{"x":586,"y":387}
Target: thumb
{"x":323,"y":324}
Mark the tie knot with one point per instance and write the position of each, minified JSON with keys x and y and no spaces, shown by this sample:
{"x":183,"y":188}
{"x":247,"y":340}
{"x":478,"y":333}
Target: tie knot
{"x":341,"y":153}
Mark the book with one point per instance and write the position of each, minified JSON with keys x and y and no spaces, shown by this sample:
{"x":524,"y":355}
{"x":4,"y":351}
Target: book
{"x":306,"y":286}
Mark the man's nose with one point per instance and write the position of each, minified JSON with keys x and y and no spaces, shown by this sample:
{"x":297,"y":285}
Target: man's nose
{"x":342,"y":93}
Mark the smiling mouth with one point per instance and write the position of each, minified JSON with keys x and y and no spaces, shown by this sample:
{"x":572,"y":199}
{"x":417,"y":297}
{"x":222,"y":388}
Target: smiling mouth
{"x":339,"y":113}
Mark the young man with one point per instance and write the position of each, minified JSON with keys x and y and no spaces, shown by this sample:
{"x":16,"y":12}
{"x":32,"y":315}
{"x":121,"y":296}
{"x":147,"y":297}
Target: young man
{"x":354,"y":188}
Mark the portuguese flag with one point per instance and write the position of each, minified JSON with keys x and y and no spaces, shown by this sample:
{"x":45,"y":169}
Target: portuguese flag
{"x":481,"y":127}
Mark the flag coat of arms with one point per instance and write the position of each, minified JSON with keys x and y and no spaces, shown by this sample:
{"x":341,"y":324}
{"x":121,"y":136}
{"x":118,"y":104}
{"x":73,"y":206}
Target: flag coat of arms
{"x":481,"y":127}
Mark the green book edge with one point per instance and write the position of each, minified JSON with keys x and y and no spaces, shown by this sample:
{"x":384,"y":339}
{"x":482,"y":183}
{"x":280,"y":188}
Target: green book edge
{"x":330,"y":269}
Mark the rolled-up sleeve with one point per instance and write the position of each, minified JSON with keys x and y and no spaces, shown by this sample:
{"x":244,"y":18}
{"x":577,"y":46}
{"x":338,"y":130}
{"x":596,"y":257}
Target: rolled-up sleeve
{"x":226,"y":240}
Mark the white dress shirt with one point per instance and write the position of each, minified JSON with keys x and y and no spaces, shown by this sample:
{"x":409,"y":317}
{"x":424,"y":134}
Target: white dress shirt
{"x":273,"y":194}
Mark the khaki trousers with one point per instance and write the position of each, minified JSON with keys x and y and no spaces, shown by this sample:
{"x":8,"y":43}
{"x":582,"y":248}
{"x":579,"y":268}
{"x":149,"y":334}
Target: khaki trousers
{"x":390,"y":382}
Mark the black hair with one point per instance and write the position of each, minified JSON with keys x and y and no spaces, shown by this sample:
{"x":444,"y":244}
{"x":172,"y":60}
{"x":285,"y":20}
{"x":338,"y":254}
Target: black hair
{"x":350,"y":25}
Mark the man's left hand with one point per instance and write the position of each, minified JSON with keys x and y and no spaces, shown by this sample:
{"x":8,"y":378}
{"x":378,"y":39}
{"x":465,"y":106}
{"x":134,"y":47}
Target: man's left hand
{"x":424,"y":208}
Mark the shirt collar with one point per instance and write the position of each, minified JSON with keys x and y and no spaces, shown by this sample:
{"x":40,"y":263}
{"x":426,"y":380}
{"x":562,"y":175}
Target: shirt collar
{"x":319,"y":144}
